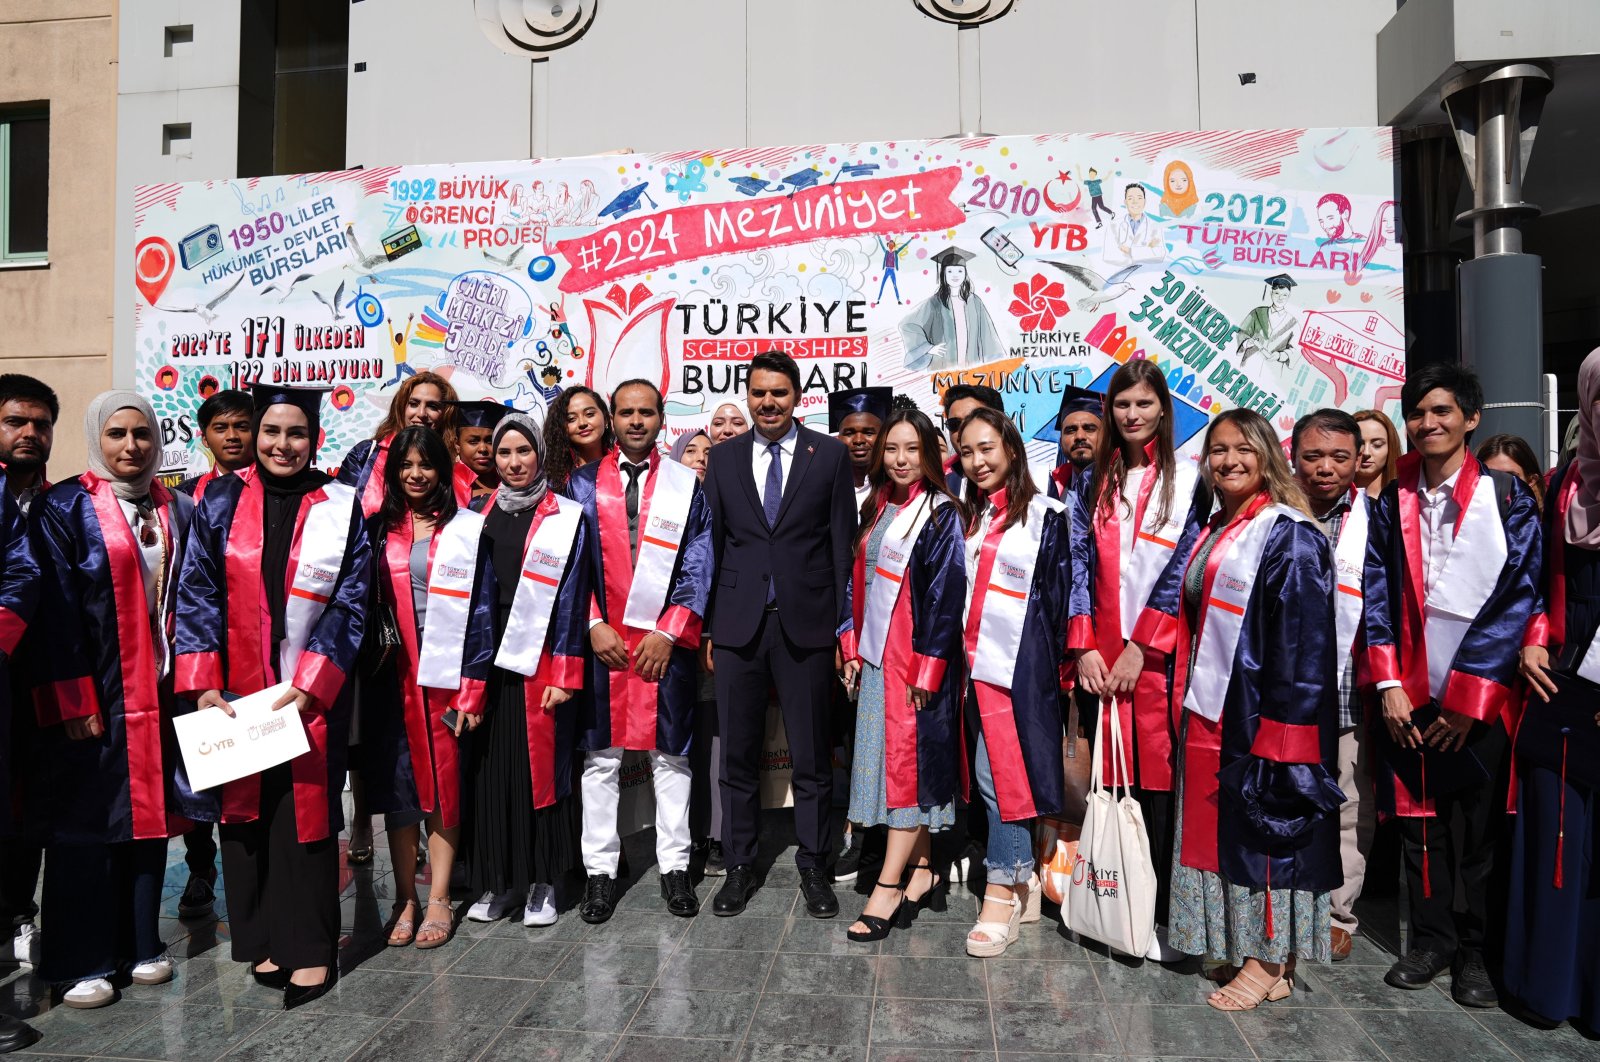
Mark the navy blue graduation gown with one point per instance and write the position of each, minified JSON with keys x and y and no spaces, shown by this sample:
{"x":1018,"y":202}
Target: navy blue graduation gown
{"x":221,"y":644}
{"x":620,"y":709}
{"x":99,"y":653}
{"x":19,"y":596}
{"x":362,"y":468}
{"x":1271,"y":820}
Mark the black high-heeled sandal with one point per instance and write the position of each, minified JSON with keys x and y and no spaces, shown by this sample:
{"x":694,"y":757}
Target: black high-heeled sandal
{"x":878,"y":928}
{"x":935,"y":899}
{"x":276,"y":979}
{"x":299,"y":995}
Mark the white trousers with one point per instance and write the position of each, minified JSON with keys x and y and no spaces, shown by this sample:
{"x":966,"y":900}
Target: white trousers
{"x":602,"y":789}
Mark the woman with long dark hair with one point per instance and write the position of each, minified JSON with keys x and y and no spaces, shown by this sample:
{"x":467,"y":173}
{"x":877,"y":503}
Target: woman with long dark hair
{"x":435,"y":578}
{"x":1511,"y":453}
{"x":905,"y":654}
{"x":1134,"y":509}
{"x":1380,"y":452}
{"x":109,"y":545}
{"x":274,"y":589}
{"x":1247,"y":602}
{"x":521,"y":818}
{"x":1021,"y":579}
{"x":577,"y":430}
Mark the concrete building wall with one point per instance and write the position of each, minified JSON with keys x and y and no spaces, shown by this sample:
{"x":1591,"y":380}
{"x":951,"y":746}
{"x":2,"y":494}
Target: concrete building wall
{"x":59,"y":314}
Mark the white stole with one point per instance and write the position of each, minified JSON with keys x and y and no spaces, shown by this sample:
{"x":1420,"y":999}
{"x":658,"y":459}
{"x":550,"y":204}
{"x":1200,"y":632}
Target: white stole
{"x":1349,"y":561}
{"x":1153,"y":544}
{"x":323,"y":542}
{"x":1005,"y":604}
{"x":1223,"y":618}
{"x":450,"y":582}
{"x":1477,"y":556}
{"x":659,"y":542}
{"x":883,"y":593}
{"x":543,"y":564}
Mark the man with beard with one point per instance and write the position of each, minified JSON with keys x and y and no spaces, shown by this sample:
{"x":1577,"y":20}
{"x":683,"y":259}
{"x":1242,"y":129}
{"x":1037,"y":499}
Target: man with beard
{"x":854,"y":418}
{"x":1079,"y":421}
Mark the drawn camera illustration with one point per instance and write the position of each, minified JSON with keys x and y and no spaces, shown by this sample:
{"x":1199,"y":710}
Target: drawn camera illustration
{"x":200,"y":245}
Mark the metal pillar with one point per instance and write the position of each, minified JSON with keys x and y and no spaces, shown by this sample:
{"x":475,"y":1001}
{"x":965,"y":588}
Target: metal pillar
{"x":1430,"y":190}
{"x":1495,"y":115}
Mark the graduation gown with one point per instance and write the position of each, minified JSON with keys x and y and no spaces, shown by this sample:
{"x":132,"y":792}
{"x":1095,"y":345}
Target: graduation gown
{"x":933,"y":322}
{"x":1120,"y":588}
{"x":1260,"y":800}
{"x":362,"y":468}
{"x":223,"y":636}
{"x":1020,"y":715}
{"x":195,"y":486}
{"x":98,"y":653}
{"x":1479,"y":678}
{"x":411,"y":761}
{"x":19,"y":596}
{"x":922,"y":647}
{"x":620,"y":709}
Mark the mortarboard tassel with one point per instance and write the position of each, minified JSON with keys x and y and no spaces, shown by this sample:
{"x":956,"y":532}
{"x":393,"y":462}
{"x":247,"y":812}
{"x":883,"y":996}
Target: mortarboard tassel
{"x":1427,"y":878}
{"x":1269,"y":894}
{"x":1561,"y":827}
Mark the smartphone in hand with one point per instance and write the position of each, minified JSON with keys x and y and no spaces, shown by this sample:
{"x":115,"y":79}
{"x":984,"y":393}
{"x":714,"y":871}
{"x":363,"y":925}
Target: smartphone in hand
{"x":450,"y":719}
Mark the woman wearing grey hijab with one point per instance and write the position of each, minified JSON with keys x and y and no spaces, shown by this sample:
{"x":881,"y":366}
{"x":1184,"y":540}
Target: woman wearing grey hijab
{"x":520,"y":822}
{"x":108,"y":543}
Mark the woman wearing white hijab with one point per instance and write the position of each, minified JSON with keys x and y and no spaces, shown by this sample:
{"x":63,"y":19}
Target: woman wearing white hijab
{"x":1552,"y":954}
{"x":520,"y":831}
{"x":108,"y":544}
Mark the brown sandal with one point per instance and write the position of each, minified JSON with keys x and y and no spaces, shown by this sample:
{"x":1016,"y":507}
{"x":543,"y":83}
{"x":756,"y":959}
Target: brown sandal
{"x":1252,"y":995}
{"x":406,"y":927}
{"x":446,"y":926}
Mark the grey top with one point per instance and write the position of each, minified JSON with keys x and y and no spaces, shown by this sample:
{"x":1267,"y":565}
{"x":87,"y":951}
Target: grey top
{"x":419,"y":579}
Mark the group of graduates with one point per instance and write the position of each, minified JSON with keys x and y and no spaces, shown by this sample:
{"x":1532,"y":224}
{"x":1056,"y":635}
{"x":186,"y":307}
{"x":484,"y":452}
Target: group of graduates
{"x":481,"y":615}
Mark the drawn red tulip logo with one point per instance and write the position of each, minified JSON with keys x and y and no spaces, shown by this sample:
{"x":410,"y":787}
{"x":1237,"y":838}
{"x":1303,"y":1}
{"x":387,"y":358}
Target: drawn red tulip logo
{"x":1038,"y":303}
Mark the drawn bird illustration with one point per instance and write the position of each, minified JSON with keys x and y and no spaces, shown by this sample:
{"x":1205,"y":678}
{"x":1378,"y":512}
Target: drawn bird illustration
{"x":334,"y":305}
{"x":1101,"y":289}
{"x":507,"y":262}
{"x":363,"y":260}
{"x":206,"y":310}
{"x":290,"y":288}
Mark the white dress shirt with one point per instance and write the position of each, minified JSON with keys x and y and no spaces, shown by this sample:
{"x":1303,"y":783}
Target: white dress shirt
{"x":151,"y":557}
{"x":1439,"y":512}
{"x":760,"y":459}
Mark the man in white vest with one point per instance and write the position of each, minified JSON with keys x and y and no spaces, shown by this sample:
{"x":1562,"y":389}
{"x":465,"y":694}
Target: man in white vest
{"x":651,"y":535}
{"x":1326,"y":453}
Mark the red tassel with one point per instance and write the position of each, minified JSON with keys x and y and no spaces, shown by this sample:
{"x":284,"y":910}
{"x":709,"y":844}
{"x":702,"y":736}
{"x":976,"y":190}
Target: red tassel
{"x":1561,"y":829}
{"x":1269,"y":895}
{"x":1427,"y":878}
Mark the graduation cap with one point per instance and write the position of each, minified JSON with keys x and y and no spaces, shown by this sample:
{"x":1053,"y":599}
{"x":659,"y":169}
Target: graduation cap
{"x":952,"y":256}
{"x":627,"y":202}
{"x":1282,"y":280}
{"x":1280,"y":801}
{"x":855,"y":169}
{"x":749,"y":185}
{"x":483,"y":413}
{"x":878,"y":401}
{"x":1080,"y":400}
{"x":800,"y":180}
{"x":1446,"y":772}
{"x":1559,"y":735}
{"x":309,"y":399}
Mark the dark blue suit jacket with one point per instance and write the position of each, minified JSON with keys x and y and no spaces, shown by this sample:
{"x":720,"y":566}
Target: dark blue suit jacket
{"x":808,"y":552}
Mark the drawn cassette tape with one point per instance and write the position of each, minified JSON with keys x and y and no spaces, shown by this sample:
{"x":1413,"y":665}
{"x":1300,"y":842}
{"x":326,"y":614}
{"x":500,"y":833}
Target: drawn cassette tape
{"x":200,"y":245}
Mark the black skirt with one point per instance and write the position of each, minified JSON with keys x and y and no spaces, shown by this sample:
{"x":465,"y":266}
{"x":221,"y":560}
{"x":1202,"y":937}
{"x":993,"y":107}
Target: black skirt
{"x":508,"y":843}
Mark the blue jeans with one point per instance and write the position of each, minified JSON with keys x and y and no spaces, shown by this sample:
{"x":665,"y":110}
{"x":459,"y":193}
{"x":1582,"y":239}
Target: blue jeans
{"x":1010,"y":855}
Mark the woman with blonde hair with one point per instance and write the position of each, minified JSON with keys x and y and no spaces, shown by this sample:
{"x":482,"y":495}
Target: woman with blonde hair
{"x":1247,"y":604}
{"x":1380,"y":452}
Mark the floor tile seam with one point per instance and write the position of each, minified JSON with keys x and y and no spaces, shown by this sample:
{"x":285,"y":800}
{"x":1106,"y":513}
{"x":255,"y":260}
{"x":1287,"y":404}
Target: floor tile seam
{"x":254,"y":1033}
{"x":761,"y":993}
{"x":382,"y":1025}
{"x":1106,"y":1002}
{"x":1473,"y":1014}
{"x":1339,"y":1002}
{"x":677,"y":945}
{"x":988,"y":1005}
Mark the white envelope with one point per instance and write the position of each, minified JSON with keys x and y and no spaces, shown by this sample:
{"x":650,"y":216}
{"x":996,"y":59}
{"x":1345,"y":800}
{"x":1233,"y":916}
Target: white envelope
{"x":218,"y":748}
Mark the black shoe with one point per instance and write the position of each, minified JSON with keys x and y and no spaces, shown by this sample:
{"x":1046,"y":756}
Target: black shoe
{"x":299,"y":995}
{"x":735,"y":892}
{"x":16,"y":1034}
{"x":819,"y":897}
{"x":1470,"y":985}
{"x":276,"y":979}
{"x":599,"y":899}
{"x":715,"y":867}
{"x":935,"y":899}
{"x":1416,"y":970}
{"x":679,"y":894}
{"x":848,"y":863}
{"x":197,"y":898}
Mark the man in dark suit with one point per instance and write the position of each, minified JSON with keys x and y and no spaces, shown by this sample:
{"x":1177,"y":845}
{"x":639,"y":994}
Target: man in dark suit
{"x":782,"y":502}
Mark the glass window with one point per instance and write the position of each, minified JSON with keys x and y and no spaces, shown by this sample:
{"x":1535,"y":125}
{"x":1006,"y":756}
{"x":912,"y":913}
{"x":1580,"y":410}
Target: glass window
{"x":24,"y":186}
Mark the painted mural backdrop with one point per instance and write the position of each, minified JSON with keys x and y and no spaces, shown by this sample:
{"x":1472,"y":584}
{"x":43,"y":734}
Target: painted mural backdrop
{"x":1259,"y":269}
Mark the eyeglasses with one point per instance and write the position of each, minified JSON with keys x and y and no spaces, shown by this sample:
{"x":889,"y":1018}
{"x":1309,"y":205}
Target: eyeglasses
{"x":951,"y":424}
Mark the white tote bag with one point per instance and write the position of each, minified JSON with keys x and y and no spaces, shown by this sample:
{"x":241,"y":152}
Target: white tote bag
{"x":1112,"y":895}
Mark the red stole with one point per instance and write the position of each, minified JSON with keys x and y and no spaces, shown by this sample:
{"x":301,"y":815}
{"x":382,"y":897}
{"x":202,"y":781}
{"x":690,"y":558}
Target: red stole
{"x":207,"y":477}
{"x":632,"y":700}
{"x":542,"y":724}
{"x":434,"y":751}
{"x":136,"y":656}
{"x":372,"y":491}
{"x":1012,"y":790}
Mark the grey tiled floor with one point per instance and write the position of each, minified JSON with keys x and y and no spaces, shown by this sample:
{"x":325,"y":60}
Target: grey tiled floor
{"x":772,"y":984}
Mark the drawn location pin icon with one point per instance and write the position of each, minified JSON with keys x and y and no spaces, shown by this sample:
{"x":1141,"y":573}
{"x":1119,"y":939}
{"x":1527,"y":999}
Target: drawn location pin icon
{"x":152,"y":267}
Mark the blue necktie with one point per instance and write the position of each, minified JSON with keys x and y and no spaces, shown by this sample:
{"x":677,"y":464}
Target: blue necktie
{"x":771,"y":498}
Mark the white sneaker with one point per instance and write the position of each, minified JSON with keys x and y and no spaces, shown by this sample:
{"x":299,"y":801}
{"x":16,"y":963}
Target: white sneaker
{"x":158,"y":971}
{"x":541,"y":908}
{"x":492,"y":908}
{"x":87,"y":995}
{"x":1160,"y":950}
{"x":23,"y":947}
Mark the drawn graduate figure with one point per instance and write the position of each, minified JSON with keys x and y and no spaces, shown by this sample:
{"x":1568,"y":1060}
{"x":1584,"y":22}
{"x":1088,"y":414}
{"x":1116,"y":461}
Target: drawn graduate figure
{"x":1269,"y":329}
{"x":952,"y":327}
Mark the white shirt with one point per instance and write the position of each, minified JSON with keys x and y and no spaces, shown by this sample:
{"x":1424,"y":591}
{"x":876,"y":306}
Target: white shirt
{"x":974,"y":555}
{"x":863,"y":492}
{"x":1439,"y":512}
{"x":1126,"y":520}
{"x":760,"y":459}
{"x":150,"y":557}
